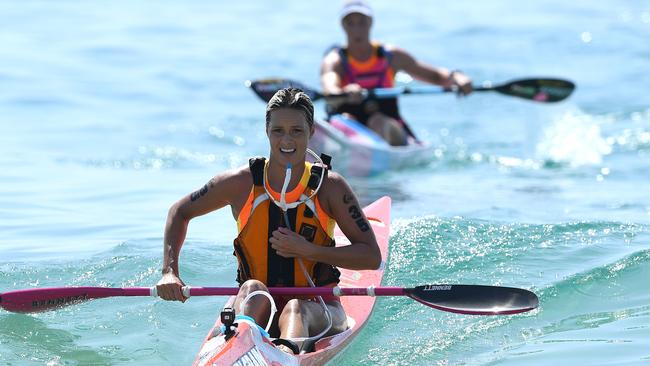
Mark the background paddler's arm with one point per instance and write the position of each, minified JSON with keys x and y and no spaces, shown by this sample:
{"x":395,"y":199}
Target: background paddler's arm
{"x":331,"y":75}
{"x":402,"y":60}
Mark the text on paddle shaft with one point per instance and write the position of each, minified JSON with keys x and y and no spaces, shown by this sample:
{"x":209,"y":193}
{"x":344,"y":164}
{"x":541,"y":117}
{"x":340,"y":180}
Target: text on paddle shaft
{"x":437,"y":288}
{"x":58,"y":301}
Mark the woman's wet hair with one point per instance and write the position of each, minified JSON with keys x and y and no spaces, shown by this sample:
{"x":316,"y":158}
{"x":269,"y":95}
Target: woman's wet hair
{"x":292,"y":98}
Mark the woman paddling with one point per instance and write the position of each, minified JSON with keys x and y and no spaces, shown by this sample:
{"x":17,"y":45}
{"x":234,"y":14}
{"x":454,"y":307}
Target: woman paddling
{"x":365,"y":64}
{"x":286,"y":209}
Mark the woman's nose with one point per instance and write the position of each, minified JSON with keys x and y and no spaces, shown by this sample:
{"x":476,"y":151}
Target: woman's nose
{"x":286,"y":137}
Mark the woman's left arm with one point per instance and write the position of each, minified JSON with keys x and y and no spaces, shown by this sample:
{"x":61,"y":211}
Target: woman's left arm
{"x":342,"y":205}
{"x":402,"y":60}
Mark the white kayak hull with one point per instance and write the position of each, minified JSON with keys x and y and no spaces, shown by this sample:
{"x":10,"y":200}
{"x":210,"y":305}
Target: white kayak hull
{"x":358,"y":151}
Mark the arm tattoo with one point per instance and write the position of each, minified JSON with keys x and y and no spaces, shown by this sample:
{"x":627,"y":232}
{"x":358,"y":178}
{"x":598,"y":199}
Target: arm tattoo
{"x":201,"y":192}
{"x":356,"y":215}
{"x":347,"y":198}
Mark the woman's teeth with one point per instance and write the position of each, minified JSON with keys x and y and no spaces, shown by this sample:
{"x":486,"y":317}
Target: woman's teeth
{"x":287,"y":150}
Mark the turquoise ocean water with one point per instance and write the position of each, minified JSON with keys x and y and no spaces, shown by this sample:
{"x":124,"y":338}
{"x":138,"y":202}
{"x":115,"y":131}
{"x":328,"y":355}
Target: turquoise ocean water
{"x":111,"y":111}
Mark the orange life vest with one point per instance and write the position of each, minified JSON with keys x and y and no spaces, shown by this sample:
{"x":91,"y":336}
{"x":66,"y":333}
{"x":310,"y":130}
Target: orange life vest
{"x":260,"y":217}
{"x":375,"y":72}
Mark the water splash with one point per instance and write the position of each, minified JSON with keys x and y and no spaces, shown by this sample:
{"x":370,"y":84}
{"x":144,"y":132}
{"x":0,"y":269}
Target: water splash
{"x":574,"y":139}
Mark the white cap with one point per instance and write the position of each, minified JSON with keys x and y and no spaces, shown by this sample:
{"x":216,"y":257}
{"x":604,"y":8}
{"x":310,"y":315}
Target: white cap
{"x":355,"y":6}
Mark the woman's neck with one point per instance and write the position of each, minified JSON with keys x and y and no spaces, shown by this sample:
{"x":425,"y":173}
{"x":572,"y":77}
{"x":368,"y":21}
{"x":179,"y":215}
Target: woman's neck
{"x":361,"y":52}
{"x":276,"y":173}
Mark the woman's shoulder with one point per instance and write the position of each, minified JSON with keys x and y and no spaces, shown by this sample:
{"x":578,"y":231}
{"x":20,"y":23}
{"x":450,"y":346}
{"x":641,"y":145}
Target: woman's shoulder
{"x":237,"y":178}
{"x":334,"y":178}
{"x":333,"y":186}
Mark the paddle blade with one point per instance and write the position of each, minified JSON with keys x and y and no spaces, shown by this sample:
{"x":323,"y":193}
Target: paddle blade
{"x":44,"y":299}
{"x":266,"y":88}
{"x":475,"y":299}
{"x":539,"y":90}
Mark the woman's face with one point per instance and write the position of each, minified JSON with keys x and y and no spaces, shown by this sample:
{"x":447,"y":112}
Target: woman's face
{"x":289,"y":134}
{"x":357,"y":28}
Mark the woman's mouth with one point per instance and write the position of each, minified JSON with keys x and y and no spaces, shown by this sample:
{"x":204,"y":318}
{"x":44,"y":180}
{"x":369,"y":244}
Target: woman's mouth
{"x":287,"y":151}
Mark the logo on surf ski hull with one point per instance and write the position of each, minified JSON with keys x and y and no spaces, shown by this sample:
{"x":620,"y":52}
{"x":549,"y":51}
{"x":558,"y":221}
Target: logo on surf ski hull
{"x":251,"y":358}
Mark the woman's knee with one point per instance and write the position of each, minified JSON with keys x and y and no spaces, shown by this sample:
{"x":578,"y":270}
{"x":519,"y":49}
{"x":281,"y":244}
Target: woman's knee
{"x":247,"y":288}
{"x":292,"y":308}
{"x":252,"y":285}
{"x":377,"y":123}
{"x":339,"y":318}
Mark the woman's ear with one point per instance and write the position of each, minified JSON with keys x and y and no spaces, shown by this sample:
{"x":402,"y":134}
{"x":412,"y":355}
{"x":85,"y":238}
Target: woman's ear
{"x":311,"y":131}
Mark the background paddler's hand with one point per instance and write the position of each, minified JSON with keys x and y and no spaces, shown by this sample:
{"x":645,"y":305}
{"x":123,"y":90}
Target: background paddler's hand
{"x":460,"y":83}
{"x":354,"y":93}
{"x":170,"y":288}
{"x":290,"y":244}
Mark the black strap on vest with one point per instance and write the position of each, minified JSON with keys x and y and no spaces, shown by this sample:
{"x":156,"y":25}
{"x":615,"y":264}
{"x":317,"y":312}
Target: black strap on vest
{"x":317,"y":171}
{"x":343,"y":51}
{"x":327,"y":160}
{"x":280,"y":270}
{"x":381,"y":52}
{"x":256,"y":166}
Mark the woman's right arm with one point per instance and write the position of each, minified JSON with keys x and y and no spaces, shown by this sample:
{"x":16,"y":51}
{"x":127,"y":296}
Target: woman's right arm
{"x":217,"y":193}
{"x":331,"y":74}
